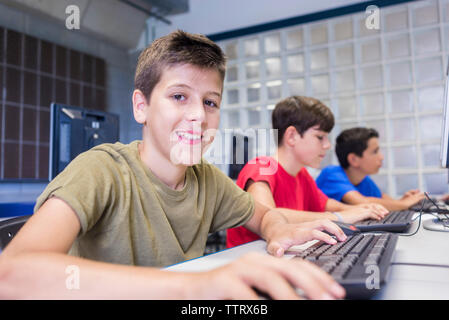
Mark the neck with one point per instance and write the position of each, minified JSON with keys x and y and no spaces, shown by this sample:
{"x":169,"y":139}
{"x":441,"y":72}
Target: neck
{"x":288,"y":161}
{"x":355,"y":175}
{"x":171,"y":175}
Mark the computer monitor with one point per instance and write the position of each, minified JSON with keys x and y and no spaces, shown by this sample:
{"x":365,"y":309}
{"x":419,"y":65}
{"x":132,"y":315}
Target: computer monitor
{"x":74,"y":130}
{"x":240,"y":154}
{"x":442,"y":222}
{"x":444,"y":148}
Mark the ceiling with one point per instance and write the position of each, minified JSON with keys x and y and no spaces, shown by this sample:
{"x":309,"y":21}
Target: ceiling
{"x":119,"y":21}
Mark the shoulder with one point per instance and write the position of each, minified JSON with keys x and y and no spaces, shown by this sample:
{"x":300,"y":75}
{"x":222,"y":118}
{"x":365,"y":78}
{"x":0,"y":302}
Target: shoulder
{"x":337,"y":172}
{"x":332,"y":169}
{"x":332,"y":172}
{"x":264,"y":163}
{"x":369,"y":181}
{"x":102,"y":160}
{"x":304,"y":174}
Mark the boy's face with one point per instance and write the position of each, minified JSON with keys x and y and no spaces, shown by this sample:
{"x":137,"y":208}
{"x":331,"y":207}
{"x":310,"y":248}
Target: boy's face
{"x":183,"y":113}
{"x":311,"y":148}
{"x":371,"y":160}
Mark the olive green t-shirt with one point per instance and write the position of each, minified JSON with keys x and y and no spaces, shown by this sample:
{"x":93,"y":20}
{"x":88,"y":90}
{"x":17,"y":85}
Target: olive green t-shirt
{"x":128,"y":216}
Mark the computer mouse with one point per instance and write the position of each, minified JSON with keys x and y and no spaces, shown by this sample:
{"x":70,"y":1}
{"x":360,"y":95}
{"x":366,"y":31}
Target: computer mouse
{"x":348,"y":229}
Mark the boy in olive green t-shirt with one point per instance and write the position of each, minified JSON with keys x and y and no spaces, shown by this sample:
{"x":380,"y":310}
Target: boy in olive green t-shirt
{"x":121,"y":210}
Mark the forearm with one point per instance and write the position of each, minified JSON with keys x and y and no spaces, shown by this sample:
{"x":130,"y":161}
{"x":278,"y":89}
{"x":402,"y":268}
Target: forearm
{"x":269,"y":221}
{"x":284,"y":215}
{"x":389,"y":203}
{"x":59,"y":276}
{"x":334,"y":205}
{"x":295,"y":216}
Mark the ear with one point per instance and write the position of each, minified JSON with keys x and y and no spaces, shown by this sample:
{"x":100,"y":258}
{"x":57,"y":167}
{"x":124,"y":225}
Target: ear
{"x":139,"y":106}
{"x":353,"y":160}
{"x":290,"y":136}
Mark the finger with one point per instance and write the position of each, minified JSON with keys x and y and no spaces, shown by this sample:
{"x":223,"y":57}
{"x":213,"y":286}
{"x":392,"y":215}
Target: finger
{"x":275,"y":248}
{"x":238,"y":290}
{"x":382,"y":209}
{"x":319,"y":235}
{"x":329,"y":284}
{"x":332,"y":228}
{"x":315,"y":283}
{"x":378,"y":215}
{"x":271,"y":282}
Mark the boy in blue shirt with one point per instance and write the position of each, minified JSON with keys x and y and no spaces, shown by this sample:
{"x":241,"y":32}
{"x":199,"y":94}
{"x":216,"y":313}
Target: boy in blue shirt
{"x":359,"y":156}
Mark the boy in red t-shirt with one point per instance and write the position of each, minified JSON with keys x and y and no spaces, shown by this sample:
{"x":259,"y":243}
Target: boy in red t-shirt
{"x":303,"y":125}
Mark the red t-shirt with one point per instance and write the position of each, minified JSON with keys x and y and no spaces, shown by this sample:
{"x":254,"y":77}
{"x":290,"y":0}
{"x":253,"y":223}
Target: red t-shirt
{"x":297,"y":193}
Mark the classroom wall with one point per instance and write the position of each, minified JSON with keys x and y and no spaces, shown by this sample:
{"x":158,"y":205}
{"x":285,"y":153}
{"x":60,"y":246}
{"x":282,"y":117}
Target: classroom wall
{"x":119,"y":77}
{"x":391,"y":79}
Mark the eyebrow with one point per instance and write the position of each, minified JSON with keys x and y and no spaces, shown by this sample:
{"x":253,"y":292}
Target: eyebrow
{"x":182,"y":85}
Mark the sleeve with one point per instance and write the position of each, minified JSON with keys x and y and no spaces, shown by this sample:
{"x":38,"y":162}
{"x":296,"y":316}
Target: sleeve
{"x":258,"y":170}
{"x":234,"y":207}
{"x":86,"y":186}
{"x":374,"y":189}
{"x":334,"y":184}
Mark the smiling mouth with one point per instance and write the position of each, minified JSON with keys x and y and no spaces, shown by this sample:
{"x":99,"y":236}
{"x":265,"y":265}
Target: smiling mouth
{"x":189,"y":137}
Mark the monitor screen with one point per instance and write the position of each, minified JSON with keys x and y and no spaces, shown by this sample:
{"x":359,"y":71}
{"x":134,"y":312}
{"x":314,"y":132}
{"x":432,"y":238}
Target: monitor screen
{"x":444,"y":148}
{"x":240,"y":152}
{"x":74,"y":130}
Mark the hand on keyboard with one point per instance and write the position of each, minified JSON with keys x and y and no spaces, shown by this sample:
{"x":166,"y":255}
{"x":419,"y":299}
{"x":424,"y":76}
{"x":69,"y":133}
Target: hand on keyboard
{"x":287,"y":235}
{"x":276,"y":278}
{"x":363,"y":212}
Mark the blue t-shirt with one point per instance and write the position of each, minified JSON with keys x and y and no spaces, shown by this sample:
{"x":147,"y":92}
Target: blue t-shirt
{"x":334,"y":182}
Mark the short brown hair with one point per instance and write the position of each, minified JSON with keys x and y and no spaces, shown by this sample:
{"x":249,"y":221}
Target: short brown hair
{"x":353,"y":140}
{"x":178,"y":47}
{"x":302,"y":113}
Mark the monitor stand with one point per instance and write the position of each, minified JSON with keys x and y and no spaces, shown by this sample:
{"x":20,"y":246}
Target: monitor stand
{"x":437,"y":225}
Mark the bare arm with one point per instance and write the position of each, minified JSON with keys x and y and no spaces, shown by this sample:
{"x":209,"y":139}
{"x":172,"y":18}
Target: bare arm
{"x":262,"y":193}
{"x":40,"y":250}
{"x":350,"y":214}
{"x":354,"y":197}
{"x":281,"y":228}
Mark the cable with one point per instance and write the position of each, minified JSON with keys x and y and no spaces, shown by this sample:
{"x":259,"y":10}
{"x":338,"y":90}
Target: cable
{"x":445,"y":221}
{"x":419,"y":222}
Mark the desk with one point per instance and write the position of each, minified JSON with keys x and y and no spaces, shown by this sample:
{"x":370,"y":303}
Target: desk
{"x":419,"y":270}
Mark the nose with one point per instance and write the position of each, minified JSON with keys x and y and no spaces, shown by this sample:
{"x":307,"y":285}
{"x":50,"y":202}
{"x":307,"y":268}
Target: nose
{"x":195,"y":111}
{"x":326,"y":143}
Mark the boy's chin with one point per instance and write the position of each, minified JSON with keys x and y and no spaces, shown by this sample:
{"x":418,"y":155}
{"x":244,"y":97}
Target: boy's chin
{"x":185,"y":157}
{"x":314,"y":165}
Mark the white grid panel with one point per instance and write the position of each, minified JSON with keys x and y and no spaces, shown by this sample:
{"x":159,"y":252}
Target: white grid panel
{"x":391,"y":79}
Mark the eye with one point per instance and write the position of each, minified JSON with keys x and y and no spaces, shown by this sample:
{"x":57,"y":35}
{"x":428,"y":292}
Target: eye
{"x":179,"y":97}
{"x":320,"y":138}
{"x":210,"y":103}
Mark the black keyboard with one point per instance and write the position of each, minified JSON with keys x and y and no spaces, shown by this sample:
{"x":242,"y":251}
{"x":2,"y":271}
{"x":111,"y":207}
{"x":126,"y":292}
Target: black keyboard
{"x":395,"y":221}
{"x":359,"y":264}
{"x":430,"y":207}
